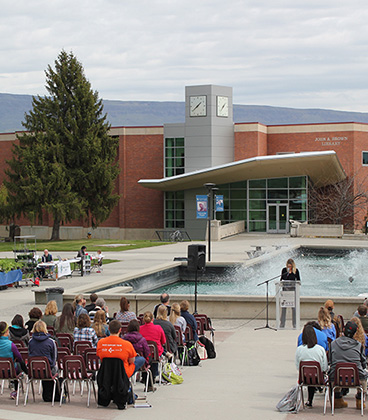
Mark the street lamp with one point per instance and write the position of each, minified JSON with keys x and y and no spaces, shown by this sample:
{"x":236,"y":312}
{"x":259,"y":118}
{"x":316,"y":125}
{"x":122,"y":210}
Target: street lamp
{"x":210,"y":187}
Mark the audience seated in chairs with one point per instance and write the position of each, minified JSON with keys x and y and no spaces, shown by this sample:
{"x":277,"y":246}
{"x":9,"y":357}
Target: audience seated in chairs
{"x":347,"y":349}
{"x":83,"y":330}
{"x":9,"y":349}
{"x":49,"y":316}
{"x":327,"y":327}
{"x":65,"y":323}
{"x":17,"y":330}
{"x":310,"y":351}
{"x":113,"y":374}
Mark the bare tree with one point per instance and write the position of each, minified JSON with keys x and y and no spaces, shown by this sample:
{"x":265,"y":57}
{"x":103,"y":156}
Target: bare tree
{"x":339,"y":203}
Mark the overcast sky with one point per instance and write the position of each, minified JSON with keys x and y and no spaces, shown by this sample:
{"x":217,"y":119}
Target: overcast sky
{"x":292,"y":53}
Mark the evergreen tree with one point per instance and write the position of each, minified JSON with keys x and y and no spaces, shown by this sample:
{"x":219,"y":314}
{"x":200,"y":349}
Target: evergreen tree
{"x":65,"y":164}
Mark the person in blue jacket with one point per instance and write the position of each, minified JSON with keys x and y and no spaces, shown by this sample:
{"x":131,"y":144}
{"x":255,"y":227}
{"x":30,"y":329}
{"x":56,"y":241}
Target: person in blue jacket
{"x":9,"y":349}
{"x":191,"y":321}
{"x":41,"y":344}
{"x":321,"y":337}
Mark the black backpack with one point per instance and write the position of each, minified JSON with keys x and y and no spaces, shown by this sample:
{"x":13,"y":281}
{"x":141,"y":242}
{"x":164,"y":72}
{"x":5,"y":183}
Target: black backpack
{"x":193,"y":358}
{"x":210,"y":348}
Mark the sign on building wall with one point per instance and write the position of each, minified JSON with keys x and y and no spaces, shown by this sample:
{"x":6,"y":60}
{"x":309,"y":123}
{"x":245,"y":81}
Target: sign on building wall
{"x":219,"y":203}
{"x":202,"y":207}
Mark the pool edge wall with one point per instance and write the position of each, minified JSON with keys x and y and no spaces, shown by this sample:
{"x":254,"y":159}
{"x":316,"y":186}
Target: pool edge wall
{"x":230,"y":307}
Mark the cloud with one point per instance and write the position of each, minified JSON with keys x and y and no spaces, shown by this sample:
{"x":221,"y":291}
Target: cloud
{"x":286,"y":53}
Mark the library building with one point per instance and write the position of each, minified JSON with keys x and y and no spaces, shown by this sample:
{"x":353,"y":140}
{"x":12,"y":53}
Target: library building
{"x":262,"y":173}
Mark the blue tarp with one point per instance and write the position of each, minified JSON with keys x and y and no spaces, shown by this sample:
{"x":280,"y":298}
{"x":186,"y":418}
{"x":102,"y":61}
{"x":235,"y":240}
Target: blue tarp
{"x":10,"y":277}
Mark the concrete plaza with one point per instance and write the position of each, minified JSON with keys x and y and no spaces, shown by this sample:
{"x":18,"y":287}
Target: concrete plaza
{"x":252,"y":371}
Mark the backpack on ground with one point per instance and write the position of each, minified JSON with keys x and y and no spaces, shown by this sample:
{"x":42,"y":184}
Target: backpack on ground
{"x":172,"y":373}
{"x":192,"y":357}
{"x":291,"y":401}
{"x":210,"y":348}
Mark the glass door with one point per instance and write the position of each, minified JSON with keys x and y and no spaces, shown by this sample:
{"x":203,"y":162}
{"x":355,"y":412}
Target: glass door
{"x":277,"y":218}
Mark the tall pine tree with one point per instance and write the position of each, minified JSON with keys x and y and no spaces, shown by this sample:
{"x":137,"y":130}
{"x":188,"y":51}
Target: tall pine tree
{"x":65,"y":164}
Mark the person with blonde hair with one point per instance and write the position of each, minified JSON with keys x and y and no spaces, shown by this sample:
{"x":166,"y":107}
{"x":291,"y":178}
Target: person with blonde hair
{"x":177,"y":319}
{"x":99,"y":324}
{"x":289,"y":274}
{"x":324,"y":320}
{"x":49,"y":316}
{"x":360,"y":334}
{"x":41,"y":344}
{"x":169,"y":330}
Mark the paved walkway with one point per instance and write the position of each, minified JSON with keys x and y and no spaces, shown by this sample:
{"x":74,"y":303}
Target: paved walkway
{"x":252,"y":371}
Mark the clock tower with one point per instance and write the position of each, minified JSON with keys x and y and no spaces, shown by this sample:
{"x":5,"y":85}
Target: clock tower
{"x":209,"y":127}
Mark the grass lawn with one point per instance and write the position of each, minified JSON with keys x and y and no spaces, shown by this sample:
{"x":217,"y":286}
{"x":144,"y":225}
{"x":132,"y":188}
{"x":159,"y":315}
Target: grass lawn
{"x":92,"y":245}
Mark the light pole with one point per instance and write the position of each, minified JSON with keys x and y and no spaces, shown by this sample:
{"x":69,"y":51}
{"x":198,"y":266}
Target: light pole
{"x":210,"y":187}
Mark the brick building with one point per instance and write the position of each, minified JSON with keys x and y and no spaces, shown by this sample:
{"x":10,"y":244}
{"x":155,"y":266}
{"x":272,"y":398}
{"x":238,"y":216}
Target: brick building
{"x":262,"y":171}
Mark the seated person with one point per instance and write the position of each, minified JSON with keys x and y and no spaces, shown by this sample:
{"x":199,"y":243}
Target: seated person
{"x":168,"y":328}
{"x":81,"y":254}
{"x":326,"y":324}
{"x":34,"y":315}
{"x":321,"y":337}
{"x":347,"y":349}
{"x":41,"y":344}
{"x":100,"y":258}
{"x":191,"y":321}
{"x":91,"y":306}
{"x":362,"y":311}
{"x":310,"y":351}
{"x":18,"y":331}
{"x":46,"y":258}
{"x":165,"y":300}
{"x":83,"y":330}
{"x":115,"y":347}
{"x":9,"y":349}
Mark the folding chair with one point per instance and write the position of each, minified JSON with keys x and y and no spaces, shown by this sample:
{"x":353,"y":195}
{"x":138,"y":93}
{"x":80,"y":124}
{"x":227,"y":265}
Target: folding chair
{"x":51,"y":330}
{"x":75,"y":370}
{"x":20,"y":344}
{"x":81,"y":346}
{"x":180,"y":343}
{"x":155,"y":357}
{"x":311,"y":375}
{"x":347,"y":376}
{"x":206,"y":325}
{"x":61,"y":352}
{"x":8,"y":372}
{"x":188,"y":334}
{"x":39,"y":369}
{"x":65,"y":340}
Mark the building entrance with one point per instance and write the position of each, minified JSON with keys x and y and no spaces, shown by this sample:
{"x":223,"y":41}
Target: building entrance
{"x":277,"y":218}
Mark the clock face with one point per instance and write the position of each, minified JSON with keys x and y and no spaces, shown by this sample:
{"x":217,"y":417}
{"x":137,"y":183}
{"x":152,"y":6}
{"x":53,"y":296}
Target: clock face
{"x":198,"y":106}
{"x":222,"y":106}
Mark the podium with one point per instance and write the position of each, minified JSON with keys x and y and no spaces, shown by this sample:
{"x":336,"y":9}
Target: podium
{"x":287,"y":296}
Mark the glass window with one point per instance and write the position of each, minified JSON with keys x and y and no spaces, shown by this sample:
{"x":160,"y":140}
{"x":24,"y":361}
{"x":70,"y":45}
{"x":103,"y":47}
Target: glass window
{"x":174,"y":209}
{"x":365,"y":158}
{"x":297,"y":182}
{"x":257,"y":194}
{"x":257,"y":183}
{"x":257,"y":204}
{"x":238,"y":194}
{"x":257,"y":226}
{"x":277,"y":194}
{"x":257,"y":215}
{"x":239,"y":204}
{"x":174,"y":156}
{"x":277,"y":183}
{"x":240,"y":184}
{"x":238,"y":215}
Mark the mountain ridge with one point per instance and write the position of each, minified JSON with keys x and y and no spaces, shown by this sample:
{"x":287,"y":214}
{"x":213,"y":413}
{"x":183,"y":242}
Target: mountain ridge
{"x":153,"y":113}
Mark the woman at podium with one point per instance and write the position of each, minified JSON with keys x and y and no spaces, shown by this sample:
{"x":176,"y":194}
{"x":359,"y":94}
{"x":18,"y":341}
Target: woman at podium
{"x":289,"y":274}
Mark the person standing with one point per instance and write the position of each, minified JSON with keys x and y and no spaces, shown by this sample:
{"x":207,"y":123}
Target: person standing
{"x":290,"y":274}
